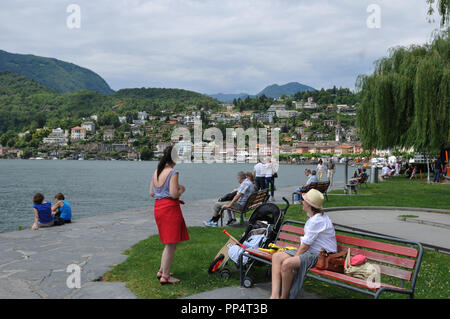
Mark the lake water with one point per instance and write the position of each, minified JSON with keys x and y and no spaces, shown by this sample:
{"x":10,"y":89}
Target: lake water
{"x":101,"y":187}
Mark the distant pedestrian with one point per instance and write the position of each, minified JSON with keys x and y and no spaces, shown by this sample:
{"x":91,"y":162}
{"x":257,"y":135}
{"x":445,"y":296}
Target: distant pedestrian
{"x":413,"y":173}
{"x":331,"y":170}
{"x":320,"y":169}
{"x":268,"y":173}
{"x":171,"y":225}
{"x":259,"y":173}
{"x":437,"y":166}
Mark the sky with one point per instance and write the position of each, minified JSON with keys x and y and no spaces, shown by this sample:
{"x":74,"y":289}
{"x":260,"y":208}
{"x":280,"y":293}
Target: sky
{"x":216,"y":46}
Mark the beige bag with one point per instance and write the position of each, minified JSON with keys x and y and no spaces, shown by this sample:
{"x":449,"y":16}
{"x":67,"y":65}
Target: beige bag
{"x":364,"y":271}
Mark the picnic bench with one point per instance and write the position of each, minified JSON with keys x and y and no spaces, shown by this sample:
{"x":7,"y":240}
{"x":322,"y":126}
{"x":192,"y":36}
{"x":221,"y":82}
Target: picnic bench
{"x":398,"y":260}
{"x":321,"y":187}
{"x":257,"y":198}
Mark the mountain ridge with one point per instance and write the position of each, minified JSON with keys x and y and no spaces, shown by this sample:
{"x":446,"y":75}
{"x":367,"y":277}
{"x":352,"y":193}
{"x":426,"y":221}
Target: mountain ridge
{"x":272,"y":91}
{"x":54,"y":74}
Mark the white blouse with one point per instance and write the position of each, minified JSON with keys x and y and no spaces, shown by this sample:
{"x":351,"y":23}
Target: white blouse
{"x":319,"y":233}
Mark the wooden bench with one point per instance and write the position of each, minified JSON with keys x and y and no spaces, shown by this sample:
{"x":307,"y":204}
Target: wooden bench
{"x":321,"y":187}
{"x":399,"y":260}
{"x":254,"y":200}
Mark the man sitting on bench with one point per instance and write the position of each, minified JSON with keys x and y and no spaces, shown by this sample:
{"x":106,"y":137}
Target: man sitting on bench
{"x":359,"y":178}
{"x":246,"y":188}
{"x":312,"y":178}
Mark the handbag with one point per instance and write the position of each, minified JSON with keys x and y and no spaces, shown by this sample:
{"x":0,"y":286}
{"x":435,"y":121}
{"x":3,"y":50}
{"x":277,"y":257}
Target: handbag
{"x":332,"y":262}
{"x":362,"y":271}
{"x":228,"y":197}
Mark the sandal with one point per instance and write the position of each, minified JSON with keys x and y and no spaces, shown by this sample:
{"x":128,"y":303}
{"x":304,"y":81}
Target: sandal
{"x":167,"y":281}
{"x":159,"y":274}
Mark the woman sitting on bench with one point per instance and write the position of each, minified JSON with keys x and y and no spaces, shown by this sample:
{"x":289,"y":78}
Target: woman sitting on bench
{"x":289,"y":267}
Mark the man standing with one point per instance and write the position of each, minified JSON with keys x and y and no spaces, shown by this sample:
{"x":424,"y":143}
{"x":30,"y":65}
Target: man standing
{"x":268,"y":172}
{"x":260,"y":179}
{"x":437,"y":165}
{"x":331,"y":170}
{"x":246,"y":188}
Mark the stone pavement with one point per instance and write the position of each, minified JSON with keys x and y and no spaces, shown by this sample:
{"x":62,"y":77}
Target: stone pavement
{"x":33,"y":264}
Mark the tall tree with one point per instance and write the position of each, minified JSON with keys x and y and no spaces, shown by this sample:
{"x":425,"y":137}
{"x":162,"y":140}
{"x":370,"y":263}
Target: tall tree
{"x":405,"y":102}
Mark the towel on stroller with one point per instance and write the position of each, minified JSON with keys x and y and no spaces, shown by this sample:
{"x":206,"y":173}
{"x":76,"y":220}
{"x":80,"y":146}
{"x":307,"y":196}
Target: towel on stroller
{"x":252,"y":242}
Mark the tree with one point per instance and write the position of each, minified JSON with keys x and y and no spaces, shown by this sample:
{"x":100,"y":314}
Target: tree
{"x":443,"y":7}
{"x":405,"y":102}
{"x":146,"y":153}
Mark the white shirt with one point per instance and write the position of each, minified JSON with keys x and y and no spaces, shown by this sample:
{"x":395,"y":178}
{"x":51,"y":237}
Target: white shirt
{"x":319,"y":233}
{"x":259,"y":170}
{"x":385,"y":170}
{"x":267,"y":170}
{"x":320,"y":167}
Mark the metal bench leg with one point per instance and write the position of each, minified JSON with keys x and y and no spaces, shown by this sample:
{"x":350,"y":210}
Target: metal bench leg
{"x":221,"y":216}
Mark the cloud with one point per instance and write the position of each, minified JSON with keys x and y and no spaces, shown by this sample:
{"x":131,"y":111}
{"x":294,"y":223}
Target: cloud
{"x":215,"y":46}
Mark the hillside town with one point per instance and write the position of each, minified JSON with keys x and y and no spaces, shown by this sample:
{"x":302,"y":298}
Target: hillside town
{"x":305,"y":127}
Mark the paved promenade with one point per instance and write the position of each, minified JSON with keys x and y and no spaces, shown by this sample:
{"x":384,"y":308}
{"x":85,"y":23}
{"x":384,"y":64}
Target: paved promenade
{"x":33,"y":264}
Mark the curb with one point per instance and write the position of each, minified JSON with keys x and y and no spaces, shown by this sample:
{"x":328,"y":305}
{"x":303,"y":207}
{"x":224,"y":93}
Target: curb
{"x":414,"y":209}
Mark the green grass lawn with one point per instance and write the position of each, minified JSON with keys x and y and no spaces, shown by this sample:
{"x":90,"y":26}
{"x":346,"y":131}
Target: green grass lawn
{"x":192,"y":258}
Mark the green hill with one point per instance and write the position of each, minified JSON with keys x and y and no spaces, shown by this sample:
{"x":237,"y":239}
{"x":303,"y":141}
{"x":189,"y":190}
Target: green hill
{"x":16,"y":84}
{"x":27,"y":104}
{"x":54,"y":74}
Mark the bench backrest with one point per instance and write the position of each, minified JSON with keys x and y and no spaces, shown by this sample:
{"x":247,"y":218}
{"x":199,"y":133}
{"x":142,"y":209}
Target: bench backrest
{"x":394,"y":259}
{"x":255,"y":199}
{"x":321,"y":186}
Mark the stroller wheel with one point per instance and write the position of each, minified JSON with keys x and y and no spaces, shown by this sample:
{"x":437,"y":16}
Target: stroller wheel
{"x":248,"y":282}
{"x":225,"y":273}
{"x":215,"y":265}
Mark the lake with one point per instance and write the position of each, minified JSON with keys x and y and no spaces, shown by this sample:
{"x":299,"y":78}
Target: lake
{"x":101,"y":187}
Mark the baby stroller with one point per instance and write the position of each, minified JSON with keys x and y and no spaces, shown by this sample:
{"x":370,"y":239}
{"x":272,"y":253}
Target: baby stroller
{"x":262,"y":229}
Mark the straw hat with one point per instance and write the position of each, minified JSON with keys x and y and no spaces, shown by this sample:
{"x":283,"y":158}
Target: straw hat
{"x":314,"y":198}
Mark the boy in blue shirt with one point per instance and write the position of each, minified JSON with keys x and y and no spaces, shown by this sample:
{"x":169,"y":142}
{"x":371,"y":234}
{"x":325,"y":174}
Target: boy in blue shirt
{"x":62,"y":208}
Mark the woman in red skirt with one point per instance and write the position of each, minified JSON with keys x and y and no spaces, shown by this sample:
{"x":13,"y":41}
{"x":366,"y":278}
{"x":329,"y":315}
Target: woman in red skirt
{"x":169,"y":219}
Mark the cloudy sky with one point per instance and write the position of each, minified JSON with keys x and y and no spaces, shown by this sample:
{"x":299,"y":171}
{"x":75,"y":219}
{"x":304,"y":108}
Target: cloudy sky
{"x":213,"y":46}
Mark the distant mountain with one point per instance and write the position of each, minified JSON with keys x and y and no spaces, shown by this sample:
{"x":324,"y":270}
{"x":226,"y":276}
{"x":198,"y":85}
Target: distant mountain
{"x":228,"y":98}
{"x":273,"y":91}
{"x":54,"y":74}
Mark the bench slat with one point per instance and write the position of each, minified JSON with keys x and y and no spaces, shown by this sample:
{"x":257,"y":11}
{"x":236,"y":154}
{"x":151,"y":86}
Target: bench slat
{"x":289,"y":237}
{"x":389,"y":259}
{"x":390,"y":248}
{"x":395,"y":272}
{"x":283,"y":244}
{"x":293,"y":229}
{"x":259,"y":253}
{"x":349,"y":279}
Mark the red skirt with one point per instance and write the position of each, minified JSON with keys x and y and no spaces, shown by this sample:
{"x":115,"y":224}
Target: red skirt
{"x":170,"y":221}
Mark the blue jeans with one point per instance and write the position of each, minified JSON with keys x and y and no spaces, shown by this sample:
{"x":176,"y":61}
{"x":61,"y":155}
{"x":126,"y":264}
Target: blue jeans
{"x":298,"y":196}
{"x":270,"y":181}
{"x":437,"y":174}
